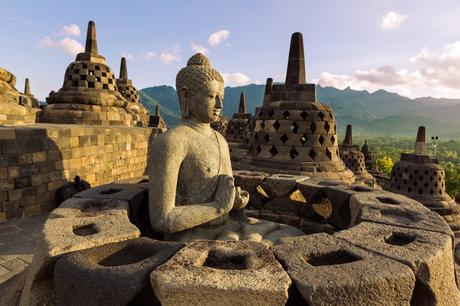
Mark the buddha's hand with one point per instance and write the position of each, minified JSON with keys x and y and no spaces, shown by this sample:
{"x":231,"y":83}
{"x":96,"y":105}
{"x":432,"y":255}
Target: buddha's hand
{"x":241,"y":198}
{"x":225,"y":194}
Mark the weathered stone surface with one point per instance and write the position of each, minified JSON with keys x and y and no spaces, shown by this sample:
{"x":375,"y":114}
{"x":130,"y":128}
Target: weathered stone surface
{"x":330,"y":271}
{"x":62,"y":235}
{"x":87,"y":207}
{"x":283,"y":184}
{"x":428,"y":254}
{"x":221,"y":273}
{"x":10,"y":291}
{"x":393,"y":209}
{"x":111,"y":274}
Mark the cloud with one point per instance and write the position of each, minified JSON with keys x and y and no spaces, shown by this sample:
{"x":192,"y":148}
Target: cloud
{"x":199,"y":48}
{"x":128,"y":56}
{"x":150,"y":56}
{"x":236,"y":78}
{"x":70,"y":30}
{"x":217,"y":37}
{"x":391,"y":21}
{"x":67,"y":45}
{"x":170,"y":56}
{"x":436,"y":75}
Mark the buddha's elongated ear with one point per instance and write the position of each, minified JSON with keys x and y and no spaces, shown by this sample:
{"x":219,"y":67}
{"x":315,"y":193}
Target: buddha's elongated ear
{"x":184,"y":95}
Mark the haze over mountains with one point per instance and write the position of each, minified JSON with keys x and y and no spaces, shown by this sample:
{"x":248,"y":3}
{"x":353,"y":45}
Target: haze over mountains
{"x":377,"y":113}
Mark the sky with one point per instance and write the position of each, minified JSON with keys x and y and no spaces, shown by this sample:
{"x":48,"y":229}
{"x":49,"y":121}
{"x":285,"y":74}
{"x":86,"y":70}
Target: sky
{"x":410,"y":47}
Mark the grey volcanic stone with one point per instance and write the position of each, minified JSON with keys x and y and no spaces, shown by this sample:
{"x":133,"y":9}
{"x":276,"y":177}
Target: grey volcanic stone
{"x":393,"y":209}
{"x":111,"y":274}
{"x":330,"y":271}
{"x":221,"y":273}
{"x":429,"y":255}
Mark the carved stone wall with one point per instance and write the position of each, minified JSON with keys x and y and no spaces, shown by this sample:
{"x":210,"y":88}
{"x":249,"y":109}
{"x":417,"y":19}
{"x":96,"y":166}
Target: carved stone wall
{"x":37,"y":160}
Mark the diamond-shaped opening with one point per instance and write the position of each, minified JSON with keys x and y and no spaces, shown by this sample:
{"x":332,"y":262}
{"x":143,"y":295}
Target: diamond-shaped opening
{"x":258,"y":149}
{"x":267,"y":138}
{"x":293,"y":153}
{"x":312,"y":127}
{"x":271,"y":113}
{"x":312,"y":154}
{"x":328,"y":154}
{"x":327,"y":127}
{"x":321,"y":115}
{"x":294,"y":127}
{"x":273,"y":151}
{"x":286,"y":115}
{"x":304,"y":139}
{"x":321,"y":139}
{"x":262,"y":124}
{"x":333,"y":139}
{"x":284,"y":138}
{"x":304,"y":115}
{"x":256,"y":136}
{"x":276,"y":125}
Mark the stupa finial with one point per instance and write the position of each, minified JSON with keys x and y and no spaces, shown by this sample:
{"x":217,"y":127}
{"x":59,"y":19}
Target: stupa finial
{"x":348,"y":136}
{"x":27,"y":88}
{"x":242,"y":106}
{"x":123,"y":70}
{"x":268,"y":92}
{"x":157,"y":111}
{"x":420,"y":143}
{"x":296,"y":62}
{"x":91,"y":42}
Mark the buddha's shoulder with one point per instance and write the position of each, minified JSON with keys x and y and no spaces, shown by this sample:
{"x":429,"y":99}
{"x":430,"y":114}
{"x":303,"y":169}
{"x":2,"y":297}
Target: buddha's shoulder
{"x":175,"y":136}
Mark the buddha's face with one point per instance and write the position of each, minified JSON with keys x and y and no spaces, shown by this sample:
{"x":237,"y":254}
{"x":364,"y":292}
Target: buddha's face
{"x":206,"y":105}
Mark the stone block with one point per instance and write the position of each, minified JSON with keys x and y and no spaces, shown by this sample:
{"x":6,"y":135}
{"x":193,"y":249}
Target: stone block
{"x":393,"y":209}
{"x":134,"y":194}
{"x":428,"y":254}
{"x":221,"y":273}
{"x":330,"y":271}
{"x":283,"y":184}
{"x":112,"y":274}
{"x":62,"y":235}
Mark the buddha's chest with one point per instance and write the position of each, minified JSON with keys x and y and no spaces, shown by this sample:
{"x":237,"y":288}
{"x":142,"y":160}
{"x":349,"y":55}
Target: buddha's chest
{"x":205,"y":159}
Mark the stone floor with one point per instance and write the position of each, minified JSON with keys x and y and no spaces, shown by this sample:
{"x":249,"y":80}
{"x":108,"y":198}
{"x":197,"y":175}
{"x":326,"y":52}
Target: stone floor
{"x":17,"y":241}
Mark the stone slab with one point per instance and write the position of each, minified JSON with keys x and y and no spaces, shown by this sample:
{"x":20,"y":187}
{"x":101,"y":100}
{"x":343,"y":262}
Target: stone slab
{"x":330,"y":271}
{"x":428,"y":254}
{"x":221,"y":273}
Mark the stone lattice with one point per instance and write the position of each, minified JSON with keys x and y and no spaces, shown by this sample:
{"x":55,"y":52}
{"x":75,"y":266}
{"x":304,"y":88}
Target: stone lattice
{"x":294,"y":132}
{"x":90,"y":93}
{"x":419,"y":176}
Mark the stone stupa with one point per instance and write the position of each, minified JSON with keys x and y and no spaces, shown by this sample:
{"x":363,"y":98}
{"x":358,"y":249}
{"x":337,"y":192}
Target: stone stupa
{"x":157,"y":121}
{"x":419,"y":176}
{"x":89,"y":94}
{"x":294,"y":133}
{"x":353,"y":157}
{"x":237,"y":130}
{"x":129,"y":92}
{"x":16,"y":108}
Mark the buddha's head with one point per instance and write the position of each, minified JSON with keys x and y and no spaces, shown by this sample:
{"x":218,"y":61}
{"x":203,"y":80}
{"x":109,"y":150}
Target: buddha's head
{"x":200,"y":89}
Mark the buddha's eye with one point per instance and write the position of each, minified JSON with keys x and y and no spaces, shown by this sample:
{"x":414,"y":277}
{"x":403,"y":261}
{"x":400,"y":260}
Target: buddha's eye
{"x":211,"y":96}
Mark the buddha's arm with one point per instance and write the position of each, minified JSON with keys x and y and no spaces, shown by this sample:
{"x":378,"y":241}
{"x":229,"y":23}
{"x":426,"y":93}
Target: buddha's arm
{"x":165,"y":217}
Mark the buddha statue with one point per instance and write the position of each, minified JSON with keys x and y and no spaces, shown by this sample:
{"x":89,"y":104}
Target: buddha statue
{"x":191,"y":187}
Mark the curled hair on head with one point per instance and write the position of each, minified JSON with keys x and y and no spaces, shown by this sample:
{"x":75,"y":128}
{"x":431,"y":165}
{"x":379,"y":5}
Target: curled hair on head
{"x":193,"y":77}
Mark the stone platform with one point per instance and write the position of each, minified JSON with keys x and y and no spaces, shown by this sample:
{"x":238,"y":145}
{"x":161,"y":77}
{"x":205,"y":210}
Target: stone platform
{"x":349,"y":230}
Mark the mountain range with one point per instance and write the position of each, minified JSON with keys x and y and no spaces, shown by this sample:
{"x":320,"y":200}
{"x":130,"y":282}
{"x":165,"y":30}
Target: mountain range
{"x":374,"y":114}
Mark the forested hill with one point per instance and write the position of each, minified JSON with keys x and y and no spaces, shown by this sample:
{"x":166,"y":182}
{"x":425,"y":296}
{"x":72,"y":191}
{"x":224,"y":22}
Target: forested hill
{"x":377,"y":113}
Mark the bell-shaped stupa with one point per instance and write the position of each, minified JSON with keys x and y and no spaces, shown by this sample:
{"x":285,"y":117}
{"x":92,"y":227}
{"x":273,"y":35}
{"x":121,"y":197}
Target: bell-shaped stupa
{"x":237,"y":130}
{"x":129,"y":92}
{"x":353,"y":158}
{"x":419,"y":176}
{"x":89,"y":93}
{"x":294,"y":133}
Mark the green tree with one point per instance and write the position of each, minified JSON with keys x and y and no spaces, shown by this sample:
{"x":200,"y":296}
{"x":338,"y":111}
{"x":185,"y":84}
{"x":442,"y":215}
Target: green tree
{"x":385,"y":164}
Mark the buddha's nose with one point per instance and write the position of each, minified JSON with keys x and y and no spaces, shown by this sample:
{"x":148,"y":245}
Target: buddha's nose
{"x":218,"y":103}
